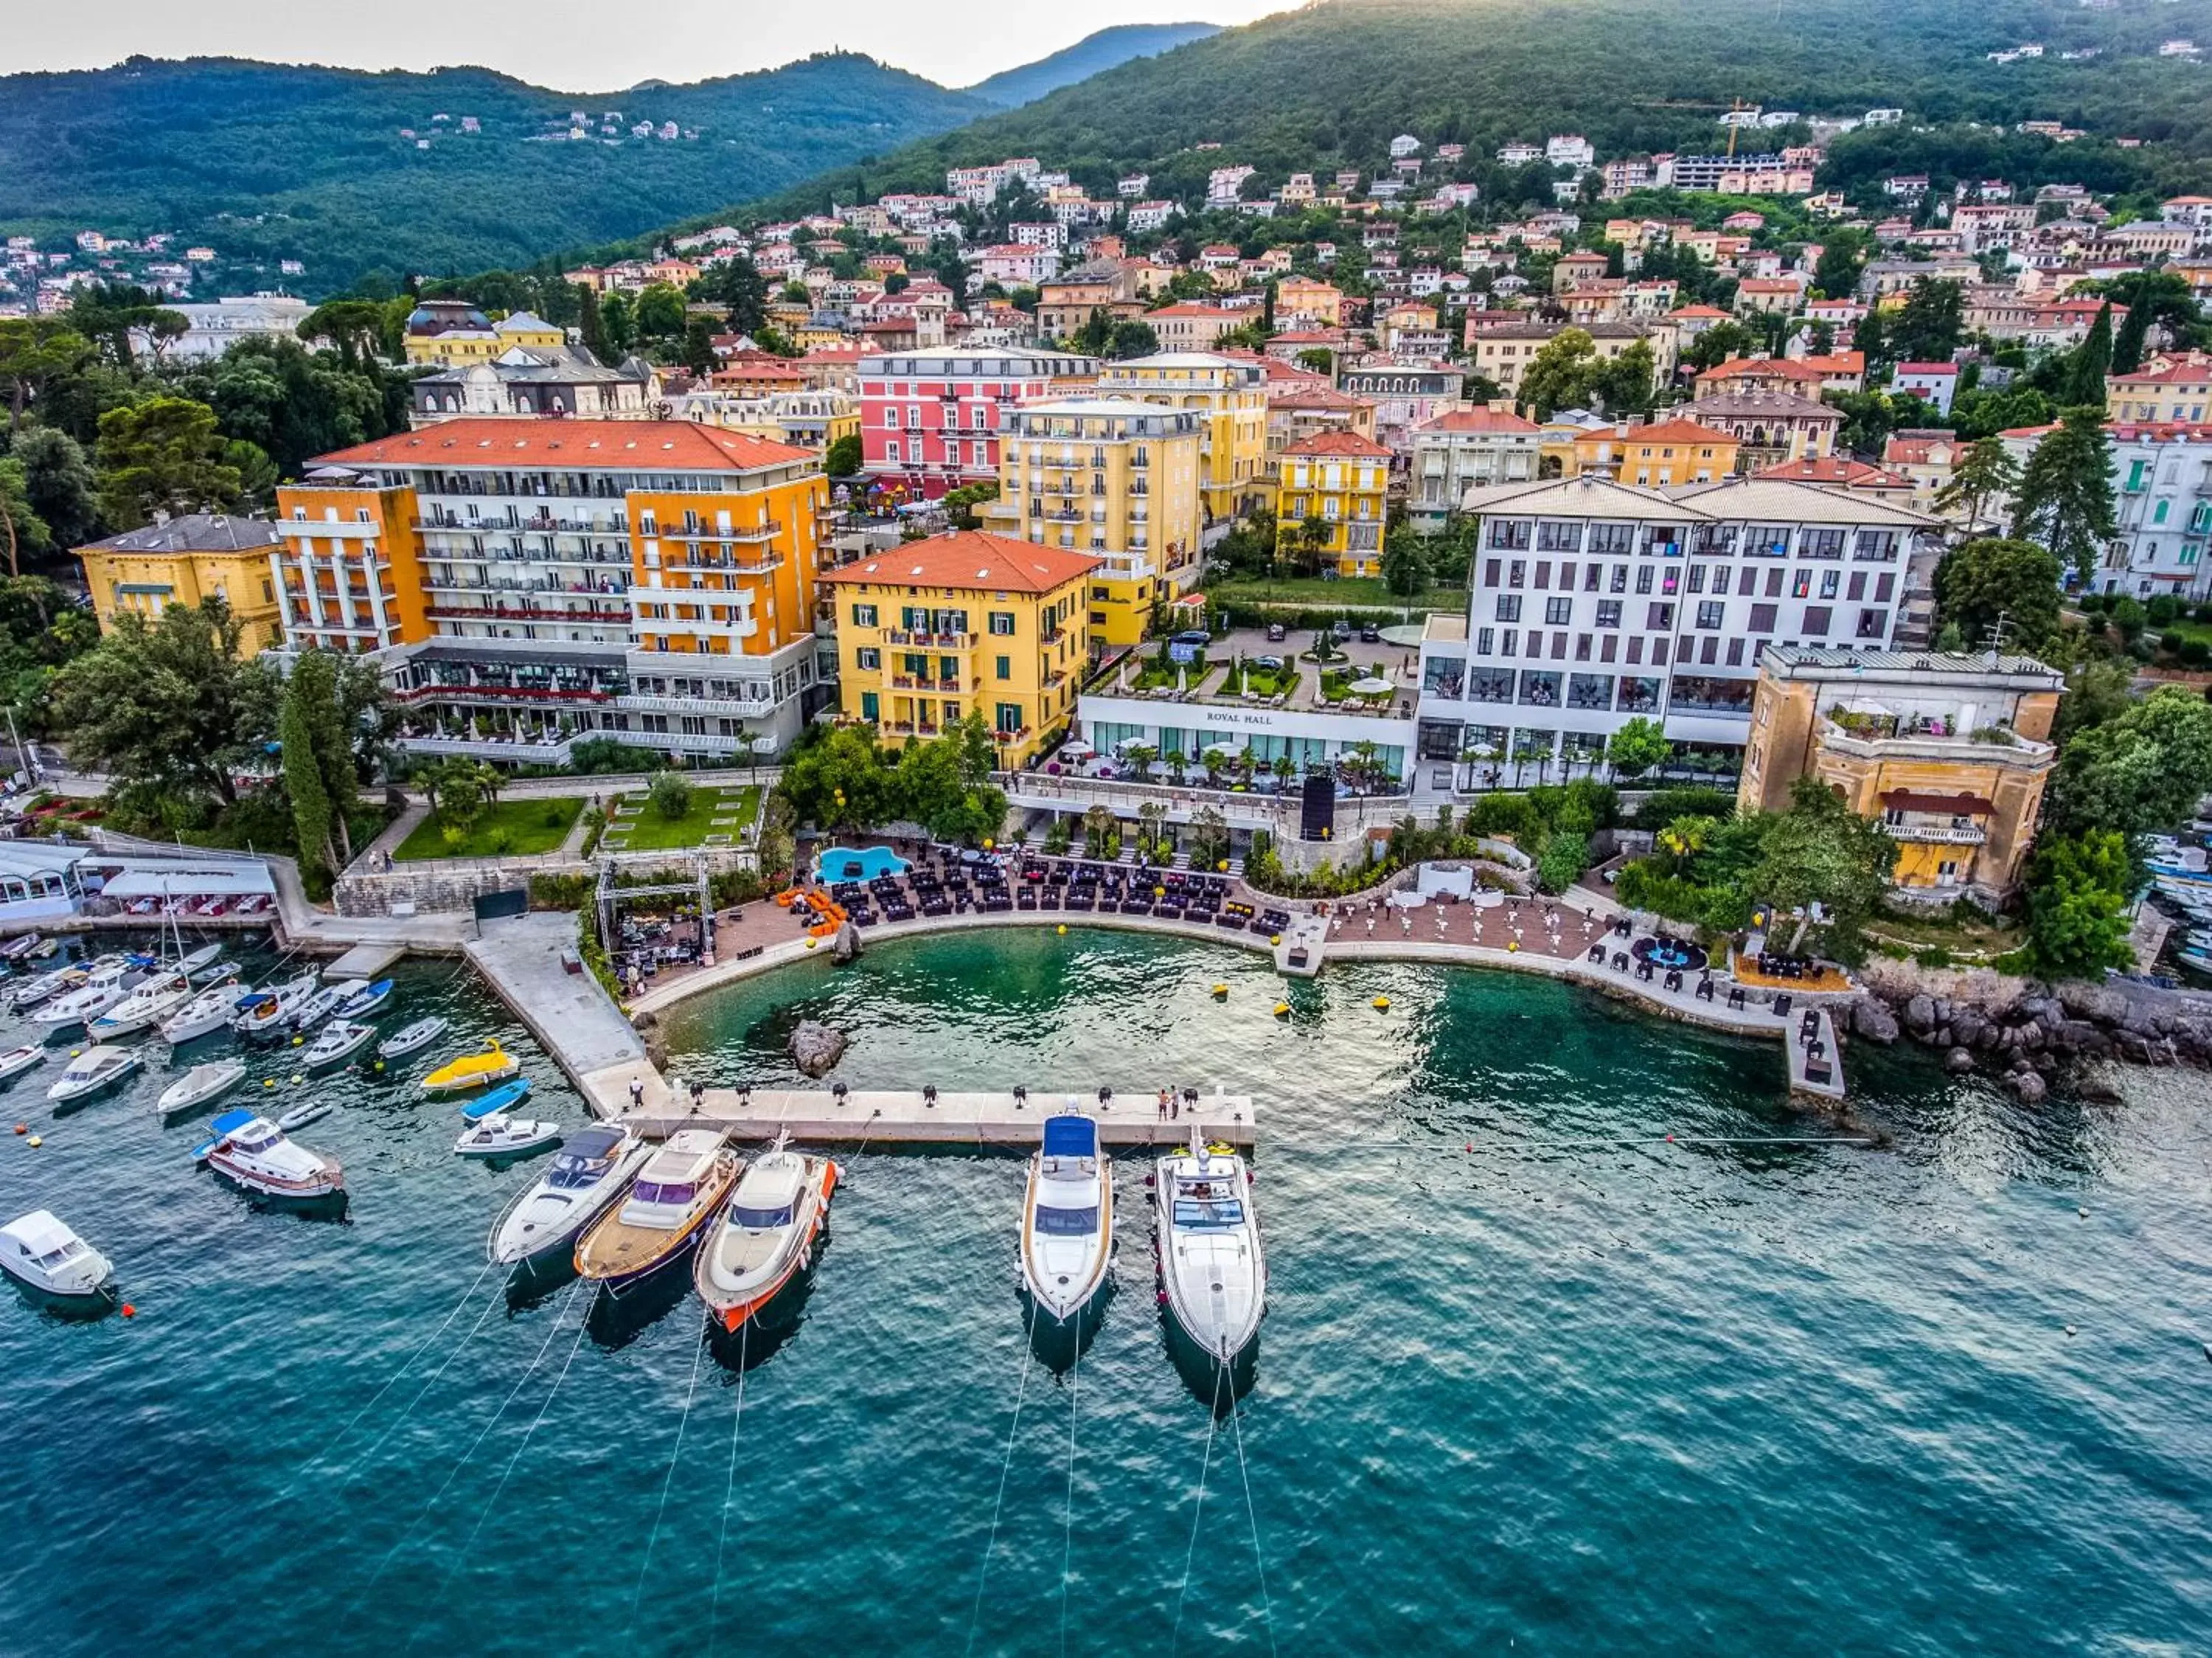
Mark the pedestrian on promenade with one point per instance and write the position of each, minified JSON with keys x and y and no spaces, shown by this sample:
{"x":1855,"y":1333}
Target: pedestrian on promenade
{"x":698,"y":1096}
{"x":636,"y":1093}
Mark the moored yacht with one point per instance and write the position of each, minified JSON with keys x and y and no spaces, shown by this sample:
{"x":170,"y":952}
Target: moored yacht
{"x":107,"y":983}
{"x":207,"y":1013}
{"x":250,"y":1152}
{"x":591,"y":1170}
{"x":32,"y":991}
{"x":766,"y":1234}
{"x":45,"y":1254}
{"x":91,"y":1071}
{"x":1067,"y":1218}
{"x":1212,"y":1272}
{"x":148,"y":1004}
{"x":676,"y":1194}
{"x":268,"y":1013}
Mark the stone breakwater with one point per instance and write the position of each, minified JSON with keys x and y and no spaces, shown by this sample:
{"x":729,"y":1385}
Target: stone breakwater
{"x":2027,"y":1033}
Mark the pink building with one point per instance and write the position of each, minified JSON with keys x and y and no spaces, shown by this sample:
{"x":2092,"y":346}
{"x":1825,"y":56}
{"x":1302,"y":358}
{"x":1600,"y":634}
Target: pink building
{"x":930,"y":420}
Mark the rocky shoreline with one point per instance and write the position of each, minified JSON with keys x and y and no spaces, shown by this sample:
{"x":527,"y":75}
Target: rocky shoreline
{"x":2027,"y":1033}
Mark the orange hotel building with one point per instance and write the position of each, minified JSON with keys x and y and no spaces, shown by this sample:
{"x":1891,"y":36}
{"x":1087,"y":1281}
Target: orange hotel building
{"x":526,"y":584}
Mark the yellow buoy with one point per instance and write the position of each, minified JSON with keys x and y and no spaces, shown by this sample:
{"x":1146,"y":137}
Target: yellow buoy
{"x":811,"y":942}
{"x":1382,"y":1004}
{"x":297,"y":1040}
{"x":267,"y":1081}
{"x":1274,"y":938}
{"x":74,"y":1052}
{"x":1221,"y":990}
{"x":35,"y":1141}
{"x":1282,"y":1010}
{"x":1061,"y":929}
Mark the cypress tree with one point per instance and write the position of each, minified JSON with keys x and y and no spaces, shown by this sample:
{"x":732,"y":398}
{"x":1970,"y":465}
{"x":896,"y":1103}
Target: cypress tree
{"x":2085,"y":373}
{"x":2128,"y":343}
{"x":303,"y":781}
{"x":588,"y":321}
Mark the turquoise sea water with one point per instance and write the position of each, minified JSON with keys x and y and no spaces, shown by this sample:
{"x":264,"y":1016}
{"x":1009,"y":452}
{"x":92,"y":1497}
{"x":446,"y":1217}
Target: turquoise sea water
{"x":1564,"y":1399}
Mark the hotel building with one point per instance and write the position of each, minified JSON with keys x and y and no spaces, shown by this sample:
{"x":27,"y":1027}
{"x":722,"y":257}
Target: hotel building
{"x":1117,"y":479}
{"x":1230,"y":397}
{"x":1593,"y":602}
{"x":528,"y":584}
{"x":1341,"y":479}
{"x":930,"y":420}
{"x":183,"y":561}
{"x":969,"y":623}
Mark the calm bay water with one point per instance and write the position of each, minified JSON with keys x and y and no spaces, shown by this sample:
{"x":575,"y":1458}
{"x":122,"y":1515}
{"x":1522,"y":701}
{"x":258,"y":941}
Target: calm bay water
{"x":1561,"y":1398}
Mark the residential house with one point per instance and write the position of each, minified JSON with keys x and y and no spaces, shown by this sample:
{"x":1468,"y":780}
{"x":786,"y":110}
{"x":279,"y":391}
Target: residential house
{"x":450,"y":333}
{"x":1303,"y":408}
{"x":2162,"y":499}
{"x":1933,"y":383}
{"x":930,"y":420}
{"x":1502,"y":354}
{"x":1926,"y":457}
{"x":1067,"y":302}
{"x":2169,"y":388}
{"x":184,"y":561}
{"x":1661,"y":453}
{"x":1306,"y":299}
{"x":931,"y":632}
{"x":1464,"y":449}
{"x":1842,"y":471}
{"x":1771,"y":426}
{"x":1189,"y":327}
{"x":1229,"y":395}
{"x":1340,"y":480}
{"x":527,"y":381}
{"x":1950,"y":754}
{"x":1406,"y":391}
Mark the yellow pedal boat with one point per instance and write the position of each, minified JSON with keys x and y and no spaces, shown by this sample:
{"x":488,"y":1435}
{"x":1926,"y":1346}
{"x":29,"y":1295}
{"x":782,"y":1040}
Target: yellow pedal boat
{"x":492,"y":1063}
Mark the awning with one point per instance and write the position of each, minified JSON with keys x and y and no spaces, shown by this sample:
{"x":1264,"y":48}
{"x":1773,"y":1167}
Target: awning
{"x":1905,"y":800}
{"x":186,"y":880}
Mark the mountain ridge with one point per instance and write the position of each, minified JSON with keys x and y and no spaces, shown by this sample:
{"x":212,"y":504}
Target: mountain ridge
{"x":1107,"y":48}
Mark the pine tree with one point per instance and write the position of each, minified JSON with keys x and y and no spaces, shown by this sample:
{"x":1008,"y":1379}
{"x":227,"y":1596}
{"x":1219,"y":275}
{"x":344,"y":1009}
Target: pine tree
{"x":2065,"y":498}
{"x":1985,"y":474}
{"x":2091,"y":360}
{"x":2128,"y":343}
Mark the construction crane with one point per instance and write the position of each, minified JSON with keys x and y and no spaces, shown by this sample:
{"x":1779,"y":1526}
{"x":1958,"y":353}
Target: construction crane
{"x":1734,"y":107}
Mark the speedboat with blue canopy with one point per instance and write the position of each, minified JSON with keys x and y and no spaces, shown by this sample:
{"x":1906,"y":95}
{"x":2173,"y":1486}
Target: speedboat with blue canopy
{"x":1067,"y":1218}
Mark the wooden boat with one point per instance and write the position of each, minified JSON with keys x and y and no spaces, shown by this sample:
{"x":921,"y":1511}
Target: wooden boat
{"x":676,"y":1195}
{"x":490,"y":1064}
{"x":766,"y":1234}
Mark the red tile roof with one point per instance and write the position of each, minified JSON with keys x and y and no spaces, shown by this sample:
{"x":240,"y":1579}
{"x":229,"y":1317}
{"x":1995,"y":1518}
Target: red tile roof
{"x":1478,"y":420}
{"x":972,"y":559}
{"x":1837,"y":471}
{"x":1338,"y":440}
{"x":666,"y":445}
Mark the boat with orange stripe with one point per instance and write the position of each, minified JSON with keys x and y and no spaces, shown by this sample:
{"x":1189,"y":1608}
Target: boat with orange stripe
{"x":766,"y":1234}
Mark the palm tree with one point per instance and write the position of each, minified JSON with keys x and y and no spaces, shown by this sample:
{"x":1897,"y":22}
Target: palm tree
{"x":425,"y":780}
{"x":1177,"y":764}
{"x":1285,"y":769}
{"x":1216,"y":762}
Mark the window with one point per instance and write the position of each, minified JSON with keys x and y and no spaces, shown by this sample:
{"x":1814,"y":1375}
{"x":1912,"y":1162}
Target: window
{"x":1767,"y":540}
{"x":891,"y":450}
{"x":1874,"y":623}
{"x":1509,"y":642}
{"x":1558,"y":612}
{"x":1543,"y":574}
{"x":1612,"y":538}
{"x":1816,"y":621}
{"x":1801,"y":588}
{"x":1559,"y":538}
{"x":1774,"y":584}
{"x":863,"y":615}
{"x":1008,"y":718}
{"x":890,"y":418}
{"x":1698,"y":579}
{"x":1002,"y":621}
{"x":1516,"y":573}
{"x":1659,"y":616}
{"x":1736,"y":652}
{"x":1710,"y":614}
{"x":1643,"y":578}
{"x":1821,"y":544}
{"x":1884,"y":585}
{"x":1762,"y":618}
{"x":1006,"y":667}
{"x":1857,"y":587}
{"x":1509,"y":606}
{"x":1513,"y":534}
{"x":869,"y":706}
{"x":1875,"y":546}
{"x":868,"y":657}
{"x":1490,"y":568}
{"x":1706,"y":650}
{"x":1593,"y":577}
{"x":1484,"y":638}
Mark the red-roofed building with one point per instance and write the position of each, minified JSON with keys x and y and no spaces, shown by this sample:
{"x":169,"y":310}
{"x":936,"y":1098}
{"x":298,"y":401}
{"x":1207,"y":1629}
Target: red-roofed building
{"x":930,"y":420}
{"x":528,"y":582}
{"x":1933,"y":383}
{"x":1664,"y":452}
{"x":1464,"y":449}
{"x":2168,"y":387}
{"x":1336,"y":479}
{"x":1840,"y":472}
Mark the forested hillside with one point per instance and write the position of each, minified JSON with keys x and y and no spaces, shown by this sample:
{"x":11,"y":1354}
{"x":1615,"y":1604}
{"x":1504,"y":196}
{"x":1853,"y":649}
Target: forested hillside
{"x":1331,"y":84}
{"x":1087,"y":56}
{"x":269,"y":161}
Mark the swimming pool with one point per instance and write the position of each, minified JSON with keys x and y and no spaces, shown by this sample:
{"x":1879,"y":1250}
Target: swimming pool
{"x":843,"y":863}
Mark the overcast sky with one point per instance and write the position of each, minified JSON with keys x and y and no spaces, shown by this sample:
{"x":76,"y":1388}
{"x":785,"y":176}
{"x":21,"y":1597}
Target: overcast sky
{"x":583,"y":45}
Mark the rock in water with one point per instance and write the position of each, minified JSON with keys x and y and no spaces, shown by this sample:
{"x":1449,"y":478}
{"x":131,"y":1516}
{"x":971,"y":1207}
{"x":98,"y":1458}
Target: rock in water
{"x":847,"y":948}
{"x":2030,"y":1088}
{"x":1871,"y":1020}
{"x":816,"y":1048}
{"x":1920,"y":1015}
{"x":1958,"y":1061}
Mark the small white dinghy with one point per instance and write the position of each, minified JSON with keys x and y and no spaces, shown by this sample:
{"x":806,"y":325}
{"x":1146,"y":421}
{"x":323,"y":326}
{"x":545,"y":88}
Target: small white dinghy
{"x":366,"y":1000}
{"x":341,"y":1039}
{"x":93,"y":1071}
{"x":17,"y":1061}
{"x":201,"y":964}
{"x":502,"y":1136}
{"x":411,"y":1039}
{"x":44,"y":1254}
{"x":199,"y":1085}
{"x":205,"y":1015}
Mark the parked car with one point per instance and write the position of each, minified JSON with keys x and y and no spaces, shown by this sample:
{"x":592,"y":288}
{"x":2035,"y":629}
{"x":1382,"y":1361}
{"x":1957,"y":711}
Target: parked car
{"x":1370,"y":634}
{"x":1193,"y":636}
{"x":1269,"y":664}
{"x":1339,"y":632}
{"x":1276,"y":634}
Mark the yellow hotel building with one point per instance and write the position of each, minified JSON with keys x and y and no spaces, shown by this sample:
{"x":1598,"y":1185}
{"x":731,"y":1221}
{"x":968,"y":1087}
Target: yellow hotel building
{"x":1230,"y":396}
{"x":184,"y":560}
{"x":1340,"y":479}
{"x":451,"y":333}
{"x":968,"y":623}
{"x":530,"y":582}
{"x":1117,"y":479}
{"x":1950,"y":751}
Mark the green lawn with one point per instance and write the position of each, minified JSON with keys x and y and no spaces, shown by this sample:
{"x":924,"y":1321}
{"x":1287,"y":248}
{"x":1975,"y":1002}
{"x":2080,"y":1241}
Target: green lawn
{"x":1261,"y":682}
{"x":1362,"y":592}
{"x":638,"y":828}
{"x":511,"y":827}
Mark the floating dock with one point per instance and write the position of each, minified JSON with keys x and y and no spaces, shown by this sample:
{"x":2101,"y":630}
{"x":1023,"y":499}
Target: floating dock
{"x":370,"y":961}
{"x":904,"y":1117}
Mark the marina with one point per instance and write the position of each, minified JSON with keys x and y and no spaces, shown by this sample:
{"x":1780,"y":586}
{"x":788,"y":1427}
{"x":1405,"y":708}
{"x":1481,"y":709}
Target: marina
{"x":1456,"y":1092}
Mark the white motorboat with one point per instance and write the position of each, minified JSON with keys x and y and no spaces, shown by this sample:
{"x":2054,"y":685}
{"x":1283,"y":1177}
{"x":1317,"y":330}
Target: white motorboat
{"x":208,"y":1012}
{"x":252,"y":1152}
{"x":766,"y":1233}
{"x":500,"y":1136}
{"x":17,"y":1061}
{"x":1067,"y":1218}
{"x":268,"y":1013}
{"x":46,"y":1254}
{"x":668,"y":1206}
{"x":1212,"y":1269}
{"x":593,"y":1168}
{"x":201,"y":964}
{"x":93,"y":1071}
{"x":32,"y":991}
{"x":323,"y":1003}
{"x":199,"y":1085}
{"x":340,"y":1039}
{"x":418,"y":1035}
{"x":367,"y":1000}
{"x":148,"y":1004}
{"x":106,"y":984}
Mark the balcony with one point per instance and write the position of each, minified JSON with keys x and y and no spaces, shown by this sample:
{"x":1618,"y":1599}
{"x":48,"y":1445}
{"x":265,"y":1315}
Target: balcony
{"x":1887,"y":737}
{"x":509,"y":613}
{"x":1943,"y":834}
{"x":747,"y":708}
{"x":549,"y":692}
{"x":553,"y":751}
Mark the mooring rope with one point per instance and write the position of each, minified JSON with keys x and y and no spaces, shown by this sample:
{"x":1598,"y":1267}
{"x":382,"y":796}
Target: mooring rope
{"x":729,"y":1489}
{"x":1267,"y":1607}
{"x":361,"y":1463}
{"x":675,"y":1455}
{"x":1005,"y":1463}
{"x":1067,"y":1527}
{"x":1190,"y":1554}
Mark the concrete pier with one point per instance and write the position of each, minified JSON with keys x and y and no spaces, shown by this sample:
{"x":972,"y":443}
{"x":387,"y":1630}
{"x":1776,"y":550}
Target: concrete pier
{"x":1827,"y":1082}
{"x":892,"y":1118}
{"x":371,"y":960}
{"x":524,"y":959}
